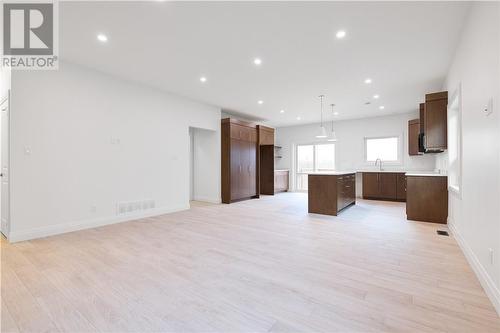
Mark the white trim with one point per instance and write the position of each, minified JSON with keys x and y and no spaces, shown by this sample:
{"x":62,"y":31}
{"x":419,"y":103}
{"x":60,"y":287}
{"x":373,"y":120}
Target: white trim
{"x":399,"y":161}
{"x":486,"y":281}
{"x":62,"y":228}
{"x":456,"y":104}
{"x":455,"y":189}
{"x":207,"y":199}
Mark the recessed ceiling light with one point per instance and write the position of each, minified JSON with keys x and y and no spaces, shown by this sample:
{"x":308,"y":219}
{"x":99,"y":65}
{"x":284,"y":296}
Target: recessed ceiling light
{"x":282,"y":111}
{"x":260,"y":102}
{"x":203,"y":79}
{"x":368,"y":81}
{"x":298,"y":118}
{"x":257,"y":61}
{"x":102,"y":38}
{"x":340,"y":34}
{"x":381,"y":107}
{"x":335,"y":113}
{"x":376,"y":96}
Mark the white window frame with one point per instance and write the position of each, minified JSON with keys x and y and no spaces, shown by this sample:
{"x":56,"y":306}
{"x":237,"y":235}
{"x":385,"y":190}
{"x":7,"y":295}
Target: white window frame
{"x":455,"y":107}
{"x":296,"y":160}
{"x":399,"y":161}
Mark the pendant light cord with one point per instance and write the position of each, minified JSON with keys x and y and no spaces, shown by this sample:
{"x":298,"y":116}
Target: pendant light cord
{"x":332,"y":116}
{"x":321,"y":98}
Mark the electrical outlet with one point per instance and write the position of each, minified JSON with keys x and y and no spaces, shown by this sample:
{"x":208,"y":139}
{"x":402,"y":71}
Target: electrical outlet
{"x":488,"y":108}
{"x":93,"y":209}
{"x":492,"y":261}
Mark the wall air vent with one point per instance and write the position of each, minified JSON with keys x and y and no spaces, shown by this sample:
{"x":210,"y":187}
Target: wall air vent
{"x":131,"y":207}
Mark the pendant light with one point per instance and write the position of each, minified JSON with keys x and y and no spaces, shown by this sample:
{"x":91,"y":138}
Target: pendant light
{"x":322,"y":131}
{"x":332,"y":137}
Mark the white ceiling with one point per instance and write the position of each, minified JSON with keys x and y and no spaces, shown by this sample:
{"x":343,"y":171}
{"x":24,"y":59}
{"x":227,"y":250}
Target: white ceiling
{"x":404,"y":47}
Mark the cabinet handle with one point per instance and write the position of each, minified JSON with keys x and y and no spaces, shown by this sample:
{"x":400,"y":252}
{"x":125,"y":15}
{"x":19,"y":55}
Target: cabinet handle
{"x":4,"y":108}
{"x":240,"y":168}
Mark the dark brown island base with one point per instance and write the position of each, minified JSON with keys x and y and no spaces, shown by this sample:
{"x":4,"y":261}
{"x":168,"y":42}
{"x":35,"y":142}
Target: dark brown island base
{"x":329,"y":193}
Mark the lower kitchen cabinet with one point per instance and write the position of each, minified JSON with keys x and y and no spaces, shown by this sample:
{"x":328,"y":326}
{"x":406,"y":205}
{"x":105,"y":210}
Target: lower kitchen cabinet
{"x":280,"y":181}
{"x":401,"y":187}
{"x":384,"y":186}
{"x":427,"y":198}
{"x":330,"y":193}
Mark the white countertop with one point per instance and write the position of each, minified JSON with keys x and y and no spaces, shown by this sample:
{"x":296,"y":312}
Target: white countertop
{"x":408,"y":172}
{"x":384,"y":171}
{"x":425,"y":174}
{"x":281,"y":170}
{"x":332,"y":173}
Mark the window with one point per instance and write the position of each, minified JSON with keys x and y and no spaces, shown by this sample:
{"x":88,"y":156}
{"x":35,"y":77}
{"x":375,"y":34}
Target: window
{"x":311,"y":158}
{"x":455,"y":144}
{"x":387,"y":149}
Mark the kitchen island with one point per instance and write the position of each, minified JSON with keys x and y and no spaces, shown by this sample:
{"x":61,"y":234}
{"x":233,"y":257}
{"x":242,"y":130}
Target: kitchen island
{"x":330,"y":192}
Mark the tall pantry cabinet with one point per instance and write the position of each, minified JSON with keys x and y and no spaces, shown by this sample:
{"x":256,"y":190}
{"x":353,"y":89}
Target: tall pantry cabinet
{"x":239,"y":160}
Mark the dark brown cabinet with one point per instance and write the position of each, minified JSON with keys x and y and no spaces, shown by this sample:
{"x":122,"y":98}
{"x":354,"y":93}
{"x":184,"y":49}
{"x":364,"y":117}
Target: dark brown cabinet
{"x":266,"y":159}
{"x":401,"y":187}
{"x":370,"y":185}
{"x":427,"y":198}
{"x":388,"y":186}
{"x":434,"y":123}
{"x":382,"y":186}
{"x":422,"y":117}
{"x":239,"y":170}
{"x":266,"y":135}
{"x":413,"y":133}
{"x":346,"y":191}
{"x":329,"y":194}
{"x":436,"y":118}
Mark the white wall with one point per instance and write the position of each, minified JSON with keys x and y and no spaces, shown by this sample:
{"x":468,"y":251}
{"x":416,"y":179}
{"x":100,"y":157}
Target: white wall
{"x":475,"y":218}
{"x":5,"y":74}
{"x":4,"y":82}
{"x":206,"y":162}
{"x":83,"y":141}
{"x":349,"y":149}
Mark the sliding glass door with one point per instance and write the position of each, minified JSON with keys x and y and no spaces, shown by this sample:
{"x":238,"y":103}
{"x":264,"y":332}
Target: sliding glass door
{"x":313,"y":158}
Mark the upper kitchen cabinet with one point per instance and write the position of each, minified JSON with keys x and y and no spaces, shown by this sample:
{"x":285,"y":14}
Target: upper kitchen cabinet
{"x":413,"y":132}
{"x":266,"y":135}
{"x":266,"y":159}
{"x":434,"y":135}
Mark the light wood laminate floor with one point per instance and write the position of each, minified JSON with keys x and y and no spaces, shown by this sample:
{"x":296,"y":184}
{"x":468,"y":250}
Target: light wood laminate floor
{"x":255,"y":266}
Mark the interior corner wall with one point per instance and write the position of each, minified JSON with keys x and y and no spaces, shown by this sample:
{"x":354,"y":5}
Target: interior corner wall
{"x":83,"y":141}
{"x":475,"y":217}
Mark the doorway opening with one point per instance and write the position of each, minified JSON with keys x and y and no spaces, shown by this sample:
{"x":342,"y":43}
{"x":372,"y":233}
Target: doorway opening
{"x":204,"y":166}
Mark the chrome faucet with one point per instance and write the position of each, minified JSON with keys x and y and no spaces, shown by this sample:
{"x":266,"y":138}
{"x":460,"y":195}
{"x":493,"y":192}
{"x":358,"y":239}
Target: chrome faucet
{"x":379,"y":164}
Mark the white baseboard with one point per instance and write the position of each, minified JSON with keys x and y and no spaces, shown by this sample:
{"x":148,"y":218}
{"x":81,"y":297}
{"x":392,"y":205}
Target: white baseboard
{"x":23,"y":235}
{"x":207,"y":199}
{"x":486,"y":281}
